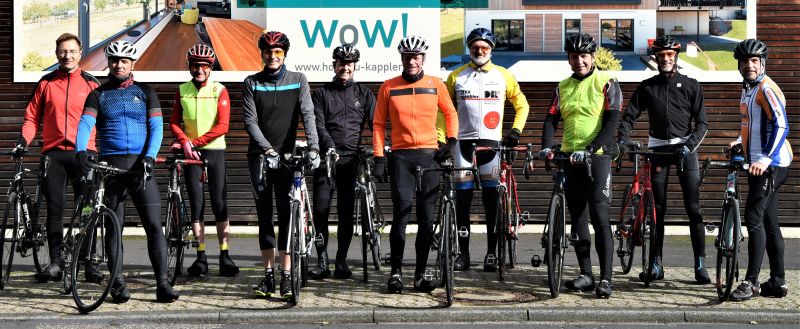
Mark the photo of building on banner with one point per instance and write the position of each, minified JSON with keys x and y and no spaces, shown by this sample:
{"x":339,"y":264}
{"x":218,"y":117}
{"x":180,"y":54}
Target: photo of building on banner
{"x":530,"y":34}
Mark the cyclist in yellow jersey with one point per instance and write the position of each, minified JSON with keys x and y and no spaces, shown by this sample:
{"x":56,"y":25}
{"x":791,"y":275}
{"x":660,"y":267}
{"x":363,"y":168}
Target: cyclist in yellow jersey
{"x":480,"y":90}
{"x":589,"y":102}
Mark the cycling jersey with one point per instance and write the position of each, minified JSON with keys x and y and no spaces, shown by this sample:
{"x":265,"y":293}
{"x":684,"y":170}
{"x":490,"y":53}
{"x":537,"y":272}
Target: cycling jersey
{"x":271,"y":104}
{"x":128,"y":119}
{"x":672,"y":105}
{"x":205,"y":114}
{"x":765,"y":124}
{"x":590,"y":107}
{"x":342,"y":111}
{"x":57,"y":102}
{"x":412,"y":108}
{"x":480,"y":94}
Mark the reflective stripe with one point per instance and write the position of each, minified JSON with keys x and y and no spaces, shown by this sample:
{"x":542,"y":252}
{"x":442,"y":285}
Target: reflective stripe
{"x":278,"y":88}
{"x":656,"y":142}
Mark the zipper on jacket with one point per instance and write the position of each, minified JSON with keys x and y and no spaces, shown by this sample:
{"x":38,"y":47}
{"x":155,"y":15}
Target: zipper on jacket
{"x":66,"y":109}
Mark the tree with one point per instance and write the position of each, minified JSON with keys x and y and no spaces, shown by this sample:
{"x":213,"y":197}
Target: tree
{"x":64,"y":7}
{"x":101,"y":4}
{"x":606,"y":61}
{"x":35,"y":10}
{"x":34,"y":61}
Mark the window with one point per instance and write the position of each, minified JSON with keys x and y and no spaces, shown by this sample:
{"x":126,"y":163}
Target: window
{"x":509,"y":34}
{"x":617,"y":34}
{"x":571,"y":26}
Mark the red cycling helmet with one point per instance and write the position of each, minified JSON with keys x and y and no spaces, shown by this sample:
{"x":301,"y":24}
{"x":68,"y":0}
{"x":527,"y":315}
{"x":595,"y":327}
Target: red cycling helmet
{"x":273,"y":39}
{"x":201,"y":53}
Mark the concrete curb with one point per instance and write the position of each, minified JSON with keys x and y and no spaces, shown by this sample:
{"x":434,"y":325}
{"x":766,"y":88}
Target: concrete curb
{"x":425,"y":315}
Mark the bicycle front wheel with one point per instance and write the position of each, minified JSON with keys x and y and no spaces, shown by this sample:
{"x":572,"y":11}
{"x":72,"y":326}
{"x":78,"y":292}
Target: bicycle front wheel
{"x":173,"y":232}
{"x":67,"y":246}
{"x":728,"y":248}
{"x":294,"y":246}
{"x":449,"y":248}
{"x":555,"y":246}
{"x":92,"y":270}
{"x":10,"y":235}
{"x":647,"y":234}
{"x":502,"y":233}
{"x":627,"y":217}
{"x":375,"y":222}
{"x":38,"y":240}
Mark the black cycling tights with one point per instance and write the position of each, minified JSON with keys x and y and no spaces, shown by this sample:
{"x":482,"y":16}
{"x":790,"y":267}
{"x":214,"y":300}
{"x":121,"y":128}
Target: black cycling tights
{"x":63,"y":167}
{"x":217,"y":186}
{"x":761,"y":217}
{"x":148,"y":205}
{"x":403,"y":177}
{"x":279,"y":181}
{"x":690,"y":185}
{"x":587,"y":199}
{"x":344,"y":184}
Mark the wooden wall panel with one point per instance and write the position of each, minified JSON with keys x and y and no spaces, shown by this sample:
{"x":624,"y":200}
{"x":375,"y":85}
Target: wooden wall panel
{"x":534,"y":32}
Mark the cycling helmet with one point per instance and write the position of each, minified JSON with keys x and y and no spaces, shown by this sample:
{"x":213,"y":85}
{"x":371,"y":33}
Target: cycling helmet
{"x":123,"y":49}
{"x":666,"y":42}
{"x":481,"y":34}
{"x":580,"y":43}
{"x":750,"y":48}
{"x":201,"y":53}
{"x":346,"y":53}
{"x":273,"y":39}
{"x":413,"y":44}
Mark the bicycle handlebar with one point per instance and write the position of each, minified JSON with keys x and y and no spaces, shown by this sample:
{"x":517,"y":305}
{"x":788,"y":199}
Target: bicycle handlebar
{"x":447,"y":167}
{"x":735,"y":163}
{"x":528,"y":149}
{"x":559,"y":156}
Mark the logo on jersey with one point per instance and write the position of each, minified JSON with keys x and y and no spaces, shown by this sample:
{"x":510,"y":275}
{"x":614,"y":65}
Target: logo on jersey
{"x":357,"y":104}
{"x":490,"y":94}
{"x":224,"y":103}
{"x":136,"y":99}
{"x":491,"y":120}
{"x":465,"y":94}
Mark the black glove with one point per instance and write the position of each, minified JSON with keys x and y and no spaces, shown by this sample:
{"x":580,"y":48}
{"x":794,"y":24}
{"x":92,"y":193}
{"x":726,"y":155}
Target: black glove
{"x":83,"y":162}
{"x":149,"y":164}
{"x":22,"y":143}
{"x":379,"y":171}
{"x":445,"y":150}
{"x":622,"y":145}
{"x":512,"y":138}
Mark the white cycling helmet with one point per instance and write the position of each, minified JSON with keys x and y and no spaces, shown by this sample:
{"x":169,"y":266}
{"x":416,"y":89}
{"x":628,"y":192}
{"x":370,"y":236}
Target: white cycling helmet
{"x":413,"y":44}
{"x":123,"y":49}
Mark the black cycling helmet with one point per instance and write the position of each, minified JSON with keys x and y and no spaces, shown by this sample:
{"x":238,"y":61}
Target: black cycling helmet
{"x":580,"y":43}
{"x":666,"y":42}
{"x":750,"y":48}
{"x":481,"y":34}
{"x":273,"y":39}
{"x":346,"y":53}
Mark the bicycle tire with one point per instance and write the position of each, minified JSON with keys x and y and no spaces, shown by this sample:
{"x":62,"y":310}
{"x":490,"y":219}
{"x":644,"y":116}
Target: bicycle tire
{"x":38,"y":239}
{"x":88,"y":299}
{"x":502,"y":233}
{"x":513,"y":229}
{"x":294,"y":246}
{"x":66,"y":249}
{"x":449,"y":248}
{"x":376,"y":221}
{"x":8,"y":245}
{"x":173,"y":233}
{"x":555,"y":246}
{"x":361,"y":219}
{"x":648,"y":235}
{"x":727,"y":251}
{"x":627,"y":218}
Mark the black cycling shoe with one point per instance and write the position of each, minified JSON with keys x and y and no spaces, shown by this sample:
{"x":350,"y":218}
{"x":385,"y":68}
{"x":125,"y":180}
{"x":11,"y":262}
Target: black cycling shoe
{"x":656,"y":273}
{"x":775,"y":287}
{"x":165,"y":293}
{"x":490,"y":263}
{"x":746,"y":290}
{"x":286,"y":285}
{"x":342,"y":270}
{"x":226,"y":265}
{"x":422,"y":284}
{"x":265,"y":288}
{"x":91,"y":273}
{"x":603,"y":289}
{"x":395,"y":284}
{"x":119,"y":291}
{"x":461,"y":263}
{"x":701,"y":276}
{"x":321,"y":271}
{"x":51,"y":273}
{"x":199,"y":267}
{"x":582,"y":283}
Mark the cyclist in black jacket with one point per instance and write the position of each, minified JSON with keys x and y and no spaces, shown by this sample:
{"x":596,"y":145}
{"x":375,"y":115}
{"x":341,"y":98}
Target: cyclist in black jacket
{"x":342,"y":108}
{"x":677,"y":115}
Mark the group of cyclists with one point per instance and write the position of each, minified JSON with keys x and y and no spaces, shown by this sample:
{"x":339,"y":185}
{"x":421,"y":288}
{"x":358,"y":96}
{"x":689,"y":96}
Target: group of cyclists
{"x":120,"y":122}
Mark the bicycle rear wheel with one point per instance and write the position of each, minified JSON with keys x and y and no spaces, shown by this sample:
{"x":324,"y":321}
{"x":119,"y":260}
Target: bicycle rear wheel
{"x":449,"y":248}
{"x":92,"y":272}
{"x":9,"y":235}
{"x":173,"y":232}
{"x":294,"y":251}
{"x":647,"y":234}
{"x":627,"y":216}
{"x":375,"y":222}
{"x":502,"y":233}
{"x":555,"y":246}
{"x":728,"y":248}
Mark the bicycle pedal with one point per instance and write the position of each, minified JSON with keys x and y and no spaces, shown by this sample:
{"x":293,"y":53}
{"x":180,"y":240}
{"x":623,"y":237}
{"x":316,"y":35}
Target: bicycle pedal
{"x":621,"y":253}
{"x":536,"y":261}
{"x":387,"y":259}
{"x":710,"y":227}
{"x":573,"y":239}
{"x":319,"y":241}
{"x":428,"y":275}
{"x":491,"y":260}
{"x":544,"y":241}
{"x":463,"y":233}
{"x":525,"y":216}
{"x":194,"y":243}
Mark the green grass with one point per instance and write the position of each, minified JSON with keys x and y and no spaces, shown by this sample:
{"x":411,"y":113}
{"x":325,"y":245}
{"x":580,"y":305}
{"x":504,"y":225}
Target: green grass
{"x":720,"y":54}
{"x":452,"y":32}
{"x":739,"y":30}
